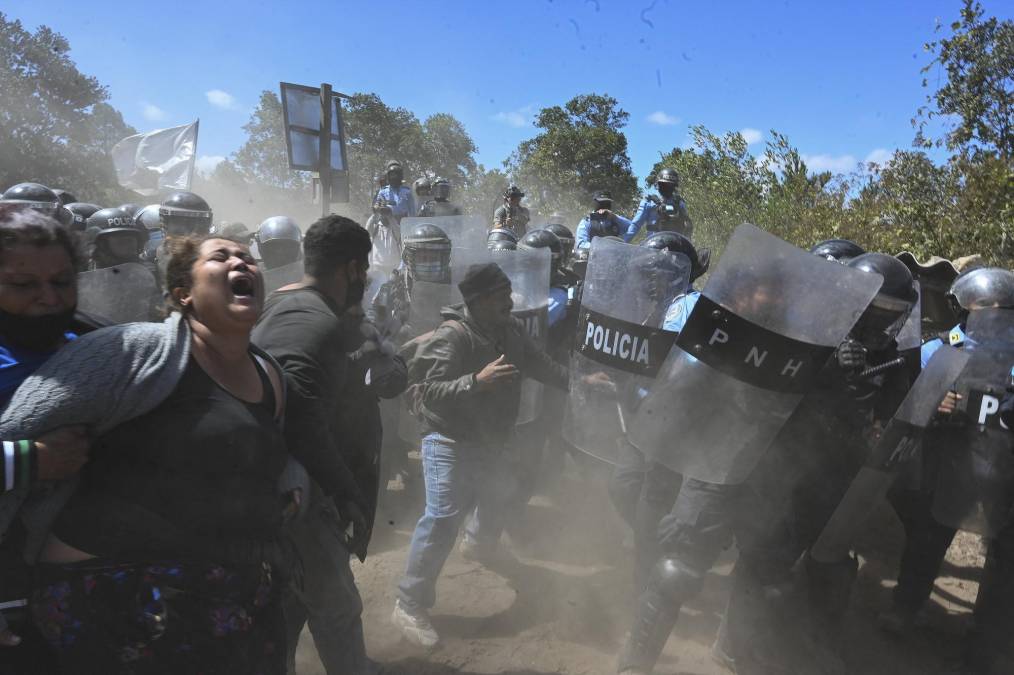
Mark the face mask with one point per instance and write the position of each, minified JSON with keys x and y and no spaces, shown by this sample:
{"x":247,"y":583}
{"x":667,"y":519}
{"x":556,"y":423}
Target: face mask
{"x":35,"y":332}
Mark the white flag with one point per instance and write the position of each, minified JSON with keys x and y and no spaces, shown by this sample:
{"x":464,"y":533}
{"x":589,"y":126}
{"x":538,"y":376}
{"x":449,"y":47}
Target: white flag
{"x":158,"y":160}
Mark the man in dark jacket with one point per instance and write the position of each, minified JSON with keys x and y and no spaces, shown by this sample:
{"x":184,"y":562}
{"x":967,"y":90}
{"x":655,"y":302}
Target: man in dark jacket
{"x":469,"y":399}
{"x":310,"y":327}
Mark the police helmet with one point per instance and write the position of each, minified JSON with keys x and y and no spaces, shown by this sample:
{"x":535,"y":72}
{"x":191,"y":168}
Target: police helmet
{"x":556,"y":219}
{"x":658,"y":276}
{"x":148,"y":216}
{"x":674,"y":242}
{"x":566,"y":238}
{"x":183,"y":213}
{"x":839,"y":250}
{"x":65,"y":197}
{"x":513,"y":191}
{"x":668,"y":175}
{"x":982,"y":288}
{"x":81,"y":212}
{"x":501,"y":234}
{"x":427,"y":252}
{"x":422,"y":186}
{"x":116,"y":236}
{"x":394,"y":169}
{"x":496,"y":246}
{"x":441,"y":189}
{"x":603,"y":199}
{"x":132,"y":209}
{"x":887,"y":313}
{"x":279,"y":241}
{"x":543,"y":239}
{"x":233,"y":231}
{"x":34,"y":196}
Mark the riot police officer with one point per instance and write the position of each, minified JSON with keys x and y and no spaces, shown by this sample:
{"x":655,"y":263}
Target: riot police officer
{"x":566,"y":238}
{"x":511,"y":215}
{"x":926,"y":539}
{"x":40,"y":198}
{"x":233,"y":231}
{"x":440,"y":205}
{"x":115,"y":237}
{"x":422,"y":190}
{"x":279,"y":242}
{"x":426,"y":253}
{"x":640,"y":496}
{"x":665,"y":211}
{"x":81,"y":212}
{"x":397,"y":195}
{"x":838,"y":250}
{"x":502,"y":239}
{"x":66,"y":196}
{"x":812,"y":460}
{"x":180,"y":214}
{"x":602,"y":222}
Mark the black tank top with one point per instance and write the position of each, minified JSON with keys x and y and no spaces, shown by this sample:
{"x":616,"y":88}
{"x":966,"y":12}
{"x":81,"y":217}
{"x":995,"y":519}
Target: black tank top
{"x":201,"y":467}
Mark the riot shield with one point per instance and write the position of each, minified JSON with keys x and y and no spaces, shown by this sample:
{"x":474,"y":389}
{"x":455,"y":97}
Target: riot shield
{"x":767,"y":321}
{"x":529,"y":272}
{"x":976,"y":480}
{"x":910,"y":335}
{"x":627,"y":291}
{"x":282,"y":276}
{"x":896,"y":445}
{"x":466,"y":232}
{"x":121,"y":294}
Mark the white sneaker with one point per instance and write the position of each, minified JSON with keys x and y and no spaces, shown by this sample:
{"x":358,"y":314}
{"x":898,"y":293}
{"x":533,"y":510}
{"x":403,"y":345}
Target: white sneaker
{"x":415,"y":626}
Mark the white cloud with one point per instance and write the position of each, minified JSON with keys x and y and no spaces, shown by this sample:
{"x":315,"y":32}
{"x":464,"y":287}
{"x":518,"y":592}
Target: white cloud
{"x":205,"y":164}
{"x":751,"y":136}
{"x":221,"y":99}
{"x":522,"y":117}
{"x":880,"y":156}
{"x":839,"y":164}
{"x":663,"y":119}
{"x":151,"y":112}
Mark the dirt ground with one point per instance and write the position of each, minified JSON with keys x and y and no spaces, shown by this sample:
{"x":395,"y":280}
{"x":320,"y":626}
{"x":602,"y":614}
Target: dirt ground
{"x":566,"y":607}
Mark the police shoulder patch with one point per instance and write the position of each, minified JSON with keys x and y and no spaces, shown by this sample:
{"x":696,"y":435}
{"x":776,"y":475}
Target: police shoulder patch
{"x":955,"y":338}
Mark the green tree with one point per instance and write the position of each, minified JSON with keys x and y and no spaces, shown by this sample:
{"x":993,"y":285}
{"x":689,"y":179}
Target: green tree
{"x":580,"y":149}
{"x":978,"y":92}
{"x":55,"y":122}
{"x":263,"y":158}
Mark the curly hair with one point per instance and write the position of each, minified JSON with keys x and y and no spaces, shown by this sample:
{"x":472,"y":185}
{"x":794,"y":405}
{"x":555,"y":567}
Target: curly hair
{"x":179,"y":273}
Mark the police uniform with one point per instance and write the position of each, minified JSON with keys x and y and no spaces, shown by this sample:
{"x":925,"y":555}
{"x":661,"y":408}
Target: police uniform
{"x":587,"y":229}
{"x":650,"y":216}
{"x":435,"y":208}
{"x":400,"y":199}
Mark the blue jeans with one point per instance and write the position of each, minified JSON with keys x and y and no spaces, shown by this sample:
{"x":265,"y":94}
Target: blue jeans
{"x":459,"y":476}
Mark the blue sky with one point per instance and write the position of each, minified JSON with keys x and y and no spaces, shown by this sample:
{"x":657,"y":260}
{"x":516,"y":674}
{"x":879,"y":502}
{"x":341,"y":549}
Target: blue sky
{"x":840,"y":79}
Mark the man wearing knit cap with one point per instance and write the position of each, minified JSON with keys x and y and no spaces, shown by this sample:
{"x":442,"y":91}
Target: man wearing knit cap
{"x":470,"y":395}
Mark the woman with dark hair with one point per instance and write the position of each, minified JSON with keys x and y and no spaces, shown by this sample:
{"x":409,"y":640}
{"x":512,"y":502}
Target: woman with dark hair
{"x":167,"y":556}
{"x":38,"y":295}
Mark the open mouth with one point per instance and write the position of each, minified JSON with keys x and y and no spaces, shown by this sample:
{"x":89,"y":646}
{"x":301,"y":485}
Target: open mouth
{"x":242,"y":286}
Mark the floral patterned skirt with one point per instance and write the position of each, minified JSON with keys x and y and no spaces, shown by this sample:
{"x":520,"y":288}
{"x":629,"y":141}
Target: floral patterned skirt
{"x":166,"y":618}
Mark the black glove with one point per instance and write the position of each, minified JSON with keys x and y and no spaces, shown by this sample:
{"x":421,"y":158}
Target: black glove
{"x":851,"y":355}
{"x":387,"y":376}
{"x":349,"y":513}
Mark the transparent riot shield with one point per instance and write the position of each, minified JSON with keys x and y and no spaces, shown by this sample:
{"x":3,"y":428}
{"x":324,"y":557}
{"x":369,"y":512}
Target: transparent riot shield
{"x":529,"y":272}
{"x":282,"y":276}
{"x":897,"y":444}
{"x":627,"y":291}
{"x":466,"y":232}
{"x":910,"y":335}
{"x":976,"y":481}
{"x":121,"y":294}
{"x":767,"y":321}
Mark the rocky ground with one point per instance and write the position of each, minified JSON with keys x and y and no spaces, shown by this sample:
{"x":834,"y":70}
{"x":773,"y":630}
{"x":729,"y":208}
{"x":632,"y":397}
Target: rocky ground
{"x":565,"y":607}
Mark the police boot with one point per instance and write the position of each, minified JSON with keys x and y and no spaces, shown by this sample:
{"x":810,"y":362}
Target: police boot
{"x":829,"y":586}
{"x":756,"y":630}
{"x":670,"y":585}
